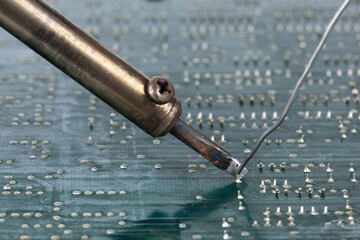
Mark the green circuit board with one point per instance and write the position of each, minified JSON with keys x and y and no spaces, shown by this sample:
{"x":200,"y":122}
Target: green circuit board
{"x":73,"y":168}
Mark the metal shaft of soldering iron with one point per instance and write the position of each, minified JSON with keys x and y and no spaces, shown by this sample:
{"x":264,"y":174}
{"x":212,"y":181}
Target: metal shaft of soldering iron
{"x":148,"y":103}
{"x":207,"y":148}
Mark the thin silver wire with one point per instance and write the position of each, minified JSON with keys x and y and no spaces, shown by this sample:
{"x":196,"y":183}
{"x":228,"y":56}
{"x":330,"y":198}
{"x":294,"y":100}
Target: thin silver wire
{"x":297,"y":86}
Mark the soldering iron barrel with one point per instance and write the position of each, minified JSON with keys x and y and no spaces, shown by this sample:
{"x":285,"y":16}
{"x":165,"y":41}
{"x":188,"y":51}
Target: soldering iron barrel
{"x":87,"y":61}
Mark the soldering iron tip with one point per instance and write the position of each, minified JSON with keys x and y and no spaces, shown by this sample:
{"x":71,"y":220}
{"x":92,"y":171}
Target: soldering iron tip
{"x":207,"y":148}
{"x":234,"y":167}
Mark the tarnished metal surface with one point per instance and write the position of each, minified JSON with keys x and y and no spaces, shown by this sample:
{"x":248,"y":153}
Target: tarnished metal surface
{"x":88,"y":62}
{"x":206,"y":148}
{"x":149,"y":104}
{"x":160,"y":90}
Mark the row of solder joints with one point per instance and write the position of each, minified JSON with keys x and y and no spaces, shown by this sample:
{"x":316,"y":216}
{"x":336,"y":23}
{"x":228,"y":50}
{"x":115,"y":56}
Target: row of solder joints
{"x":302,"y":211}
{"x":308,"y":181}
{"x":240,"y":75}
{"x":313,"y":212}
{"x":262,"y":99}
{"x":254,"y":60}
{"x":353,"y":114}
{"x":232,"y":30}
{"x":312,"y":14}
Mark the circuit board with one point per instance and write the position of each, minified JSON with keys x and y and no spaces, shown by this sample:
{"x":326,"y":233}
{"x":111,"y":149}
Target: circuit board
{"x":73,"y":168}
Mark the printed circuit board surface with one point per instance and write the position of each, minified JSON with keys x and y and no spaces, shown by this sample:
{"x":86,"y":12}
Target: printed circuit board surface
{"x":73,"y":168}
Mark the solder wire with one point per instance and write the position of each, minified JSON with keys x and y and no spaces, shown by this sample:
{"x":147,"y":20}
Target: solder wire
{"x":297,"y":86}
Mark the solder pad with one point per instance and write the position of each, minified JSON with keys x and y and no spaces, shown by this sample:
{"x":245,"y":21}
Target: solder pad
{"x":72,"y":168}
